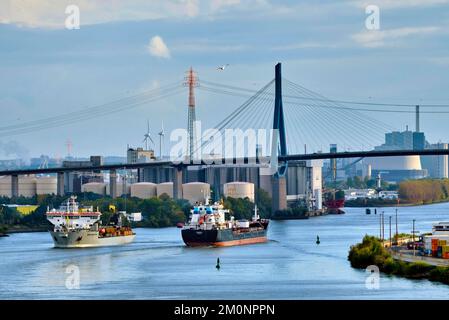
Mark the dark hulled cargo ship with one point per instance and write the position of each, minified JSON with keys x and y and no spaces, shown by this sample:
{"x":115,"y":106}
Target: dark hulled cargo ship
{"x":335,"y":202}
{"x":208,"y":227}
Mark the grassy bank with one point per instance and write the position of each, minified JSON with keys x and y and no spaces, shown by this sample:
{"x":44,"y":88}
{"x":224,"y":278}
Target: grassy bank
{"x":371,"y":252}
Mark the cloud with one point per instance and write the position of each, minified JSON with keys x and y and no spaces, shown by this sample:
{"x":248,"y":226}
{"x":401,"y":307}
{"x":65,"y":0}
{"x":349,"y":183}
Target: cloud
{"x":51,"y":13}
{"x":397,"y":4}
{"x":216,"y":5}
{"x":380,"y":38}
{"x":158,"y":48}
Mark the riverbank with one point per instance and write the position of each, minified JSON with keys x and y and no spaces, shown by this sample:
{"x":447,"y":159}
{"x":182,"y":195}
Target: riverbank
{"x":372,"y":252}
{"x":357,"y":204}
{"x":22,"y":229}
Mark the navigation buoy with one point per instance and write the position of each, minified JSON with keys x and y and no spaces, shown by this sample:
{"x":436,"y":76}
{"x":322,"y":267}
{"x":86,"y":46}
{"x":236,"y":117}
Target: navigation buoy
{"x":218,"y":264}
{"x":317,"y":240}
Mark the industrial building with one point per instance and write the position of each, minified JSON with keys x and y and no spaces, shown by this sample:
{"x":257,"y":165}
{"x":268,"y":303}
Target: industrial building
{"x":437,"y":166}
{"x":396,"y":169}
{"x":74,"y":180}
{"x":140,"y":155}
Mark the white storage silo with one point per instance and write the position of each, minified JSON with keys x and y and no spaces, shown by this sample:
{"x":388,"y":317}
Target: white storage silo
{"x":143,"y":190}
{"x":165,"y":187}
{"x":27,"y":186}
{"x":195,"y":191}
{"x":5,"y":186}
{"x":239,"y":189}
{"x":46,"y":185}
{"x":95,"y":187}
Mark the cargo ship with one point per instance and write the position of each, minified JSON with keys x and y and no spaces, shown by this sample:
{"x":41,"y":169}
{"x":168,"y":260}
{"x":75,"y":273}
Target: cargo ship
{"x":335,"y":202}
{"x":80,"y":227}
{"x":208,"y":226}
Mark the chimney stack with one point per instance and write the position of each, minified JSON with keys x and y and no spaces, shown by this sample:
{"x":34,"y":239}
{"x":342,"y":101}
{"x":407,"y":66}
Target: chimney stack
{"x":417,"y":119}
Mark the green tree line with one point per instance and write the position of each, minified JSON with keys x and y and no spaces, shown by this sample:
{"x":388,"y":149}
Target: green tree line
{"x":424,"y":191}
{"x":157,"y":212}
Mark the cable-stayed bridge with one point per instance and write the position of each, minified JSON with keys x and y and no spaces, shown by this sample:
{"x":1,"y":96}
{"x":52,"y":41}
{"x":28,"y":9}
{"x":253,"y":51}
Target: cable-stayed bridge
{"x":301,"y":124}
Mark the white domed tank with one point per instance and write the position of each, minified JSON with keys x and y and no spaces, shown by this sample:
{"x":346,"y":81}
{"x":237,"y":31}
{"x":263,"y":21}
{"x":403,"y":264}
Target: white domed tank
{"x":46,"y":185}
{"x":195,"y":191}
{"x":27,"y":186}
{"x":94,"y":187}
{"x":239,"y":190}
{"x":165,"y":187}
{"x":143,"y":190}
{"x":395,"y":163}
{"x":5,"y":186}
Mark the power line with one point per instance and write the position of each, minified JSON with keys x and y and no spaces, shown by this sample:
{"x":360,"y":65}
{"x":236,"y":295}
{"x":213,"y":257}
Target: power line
{"x":353,"y":102}
{"x":92,"y":112}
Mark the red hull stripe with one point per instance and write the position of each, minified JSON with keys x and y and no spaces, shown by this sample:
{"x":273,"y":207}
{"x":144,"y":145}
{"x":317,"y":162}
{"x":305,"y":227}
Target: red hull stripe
{"x":229,"y":243}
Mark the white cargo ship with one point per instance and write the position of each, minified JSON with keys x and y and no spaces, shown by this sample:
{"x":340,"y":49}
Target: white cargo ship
{"x":79,"y":227}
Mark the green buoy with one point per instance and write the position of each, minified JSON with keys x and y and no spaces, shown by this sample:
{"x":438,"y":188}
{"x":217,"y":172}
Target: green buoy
{"x":218,"y":264}
{"x":317,"y":240}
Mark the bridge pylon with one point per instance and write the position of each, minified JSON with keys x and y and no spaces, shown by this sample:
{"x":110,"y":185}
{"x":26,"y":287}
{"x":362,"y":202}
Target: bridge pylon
{"x":278,"y":148}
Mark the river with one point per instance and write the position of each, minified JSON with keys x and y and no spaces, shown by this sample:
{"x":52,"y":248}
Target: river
{"x":158,"y":265}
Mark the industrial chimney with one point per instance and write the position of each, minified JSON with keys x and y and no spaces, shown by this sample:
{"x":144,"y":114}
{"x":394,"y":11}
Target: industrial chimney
{"x":417,"y":119}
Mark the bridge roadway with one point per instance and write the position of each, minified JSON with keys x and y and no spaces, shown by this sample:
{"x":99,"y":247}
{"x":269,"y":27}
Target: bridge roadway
{"x":291,"y":157}
{"x":177,"y":183}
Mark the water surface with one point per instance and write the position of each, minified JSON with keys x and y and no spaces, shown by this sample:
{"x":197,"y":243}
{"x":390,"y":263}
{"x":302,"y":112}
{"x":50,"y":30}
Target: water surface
{"x":158,"y":265}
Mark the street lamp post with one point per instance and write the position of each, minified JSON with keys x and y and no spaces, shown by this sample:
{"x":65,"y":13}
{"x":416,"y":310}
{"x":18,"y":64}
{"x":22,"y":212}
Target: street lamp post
{"x":397,"y":232}
{"x":390,"y":231}
{"x":413,"y":236}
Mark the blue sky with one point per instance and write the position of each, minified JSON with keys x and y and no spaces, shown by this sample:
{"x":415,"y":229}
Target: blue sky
{"x":323,"y":45}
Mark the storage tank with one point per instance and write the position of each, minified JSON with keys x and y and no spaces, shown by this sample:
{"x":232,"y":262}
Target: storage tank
{"x":238,"y":189}
{"x":95,"y":187}
{"x":165,"y":187}
{"x":195,"y":191}
{"x":46,"y":185}
{"x":5,"y":186}
{"x":121,"y":189}
{"x":395,"y":163}
{"x":143,"y":190}
{"x":27,"y":186}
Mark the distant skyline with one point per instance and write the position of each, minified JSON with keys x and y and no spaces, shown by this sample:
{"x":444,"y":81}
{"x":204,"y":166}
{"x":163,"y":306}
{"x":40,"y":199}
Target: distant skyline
{"x":125,"y":47}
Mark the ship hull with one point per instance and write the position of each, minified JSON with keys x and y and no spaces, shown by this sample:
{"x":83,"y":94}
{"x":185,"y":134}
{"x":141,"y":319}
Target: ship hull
{"x":86,"y":239}
{"x":222,"y":238}
{"x":335,"y":206}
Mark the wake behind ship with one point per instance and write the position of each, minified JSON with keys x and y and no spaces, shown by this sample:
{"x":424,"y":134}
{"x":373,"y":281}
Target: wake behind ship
{"x":76,"y":227}
{"x":208,"y":227}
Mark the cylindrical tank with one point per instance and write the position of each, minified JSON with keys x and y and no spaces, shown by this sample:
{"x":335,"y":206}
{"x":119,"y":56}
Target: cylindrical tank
{"x":165,"y":187}
{"x":27,"y":186}
{"x":95,"y":187}
{"x":239,"y":190}
{"x":143,"y":190}
{"x":196,"y":191}
{"x":5,"y":186}
{"x":46,"y":185}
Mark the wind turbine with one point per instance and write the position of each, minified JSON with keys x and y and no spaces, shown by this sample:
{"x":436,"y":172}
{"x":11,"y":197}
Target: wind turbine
{"x":161,"y":139}
{"x":147,"y":136}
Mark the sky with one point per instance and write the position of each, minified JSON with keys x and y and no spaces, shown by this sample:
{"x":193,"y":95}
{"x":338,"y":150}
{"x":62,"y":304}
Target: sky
{"x":123,"y":48}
